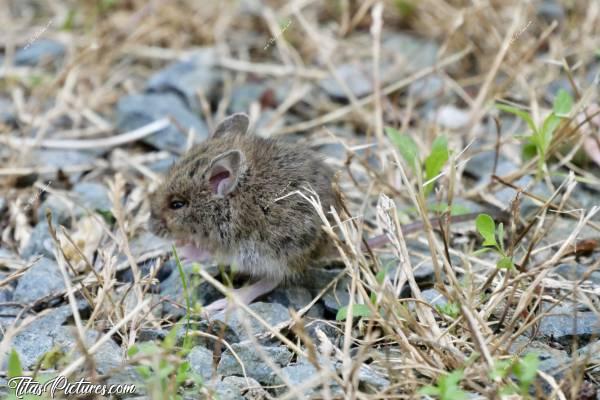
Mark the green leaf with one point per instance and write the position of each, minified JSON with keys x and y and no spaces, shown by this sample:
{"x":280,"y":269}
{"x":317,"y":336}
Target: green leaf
{"x":528,"y":151}
{"x":505,"y":263}
{"x":526,"y":368}
{"x":407,"y":147}
{"x":524,"y":115}
{"x":429,"y":390}
{"x":500,"y":369}
{"x":548,"y":128}
{"x":563,"y":102}
{"x":358,"y":310}
{"x":436,"y":160}
{"x":500,"y":235}
{"x":450,"y":309}
{"x":14,"y":364}
{"x":487,"y":228}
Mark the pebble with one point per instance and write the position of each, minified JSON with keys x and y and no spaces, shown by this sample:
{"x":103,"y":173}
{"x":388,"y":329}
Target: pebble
{"x":186,"y":77}
{"x":42,"y":279}
{"x":137,"y":110}
{"x":39,"y":51}
{"x":201,"y":362}
{"x":272,"y":313}
{"x":253,"y":362}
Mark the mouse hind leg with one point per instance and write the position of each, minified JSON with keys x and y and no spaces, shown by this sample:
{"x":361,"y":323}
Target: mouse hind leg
{"x":245,"y":294}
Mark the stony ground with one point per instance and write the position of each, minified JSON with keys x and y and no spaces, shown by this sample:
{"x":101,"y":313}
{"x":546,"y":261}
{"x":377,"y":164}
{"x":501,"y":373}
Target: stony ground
{"x":97,"y":99}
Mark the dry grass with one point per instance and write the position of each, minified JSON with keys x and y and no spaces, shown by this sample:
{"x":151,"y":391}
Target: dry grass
{"x":490,"y":50}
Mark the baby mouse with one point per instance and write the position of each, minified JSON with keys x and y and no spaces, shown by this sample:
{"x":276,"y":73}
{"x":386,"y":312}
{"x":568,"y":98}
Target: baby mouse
{"x":227,"y":196}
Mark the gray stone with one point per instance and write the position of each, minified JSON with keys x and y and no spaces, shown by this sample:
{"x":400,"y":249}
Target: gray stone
{"x":410,"y":52}
{"x":162,"y":166}
{"x":295,"y":297}
{"x":552,"y":361}
{"x":61,"y":159}
{"x":272,"y":313}
{"x":575,"y":272}
{"x":8,"y":114}
{"x":249,"y":388}
{"x":42,"y":279}
{"x":92,"y":195}
{"x":591,"y":352}
{"x":358,"y":78}
{"x":172,"y":289}
{"x":201,"y":362}
{"x":551,"y":10}
{"x":185,"y":78}
{"x":61,"y":210}
{"x":372,"y":379}
{"x":253,"y":363}
{"x":227,"y":391}
{"x":135,"y":111}
{"x":337,"y":296}
{"x":297,"y":375}
{"x":563,"y":323}
{"x":434,"y":297}
{"x":244,"y":95}
{"x":41,"y":50}
{"x":431,"y":86}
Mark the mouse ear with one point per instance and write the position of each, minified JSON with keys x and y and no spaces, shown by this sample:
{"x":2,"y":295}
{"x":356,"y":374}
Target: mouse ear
{"x":224,"y":172}
{"x":236,"y":124}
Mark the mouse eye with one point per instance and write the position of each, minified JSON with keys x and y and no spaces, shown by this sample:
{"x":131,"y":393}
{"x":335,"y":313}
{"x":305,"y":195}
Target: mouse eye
{"x":177,"y":204}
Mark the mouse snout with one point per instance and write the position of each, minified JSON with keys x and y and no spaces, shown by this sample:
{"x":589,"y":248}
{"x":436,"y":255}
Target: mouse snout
{"x":157,"y":225}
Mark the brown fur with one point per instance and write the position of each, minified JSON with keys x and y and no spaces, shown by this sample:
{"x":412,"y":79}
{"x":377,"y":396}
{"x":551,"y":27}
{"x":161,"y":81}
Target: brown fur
{"x":266,"y":238}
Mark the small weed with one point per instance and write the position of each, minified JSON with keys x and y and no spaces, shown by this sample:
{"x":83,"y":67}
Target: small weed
{"x":493,"y":239}
{"x":447,"y":387}
{"x":541,"y":136}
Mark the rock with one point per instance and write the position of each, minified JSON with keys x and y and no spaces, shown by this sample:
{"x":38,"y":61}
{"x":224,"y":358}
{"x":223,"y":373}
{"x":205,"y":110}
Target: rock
{"x":591,"y":353}
{"x":62,"y":158}
{"x":429,"y":87}
{"x":552,"y":361}
{"x":201,"y":362}
{"x":92,"y":195}
{"x":574,"y":272}
{"x":434,"y":297}
{"x":551,"y":10}
{"x":40,"y":51}
{"x":215,"y":328}
{"x":135,"y":111}
{"x":369,"y":377}
{"x":295,"y":297}
{"x":410,"y":52}
{"x":250,"y":388}
{"x":451,"y":117}
{"x":253,"y":362}
{"x":297,"y":375}
{"x":338,"y":296}
{"x":172,"y":290}
{"x":244,"y":95}
{"x":8,"y":114}
{"x":358,"y":78}
{"x":186,"y":77}
{"x":272,"y":313}
{"x":44,"y":332}
{"x":42,"y":279}
{"x":563,"y":323}
{"x":226,"y":391}
{"x":86,"y":197}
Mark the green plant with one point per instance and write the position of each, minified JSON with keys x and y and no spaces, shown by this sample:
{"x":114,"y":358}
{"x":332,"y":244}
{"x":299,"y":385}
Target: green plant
{"x":433,"y":163}
{"x":487,"y":229}
{"x":538,"y":142}
{"x":163,"y":369}
{"x":447,"y":387}
{"x":524,"y":370}
{"x":450,"y":309}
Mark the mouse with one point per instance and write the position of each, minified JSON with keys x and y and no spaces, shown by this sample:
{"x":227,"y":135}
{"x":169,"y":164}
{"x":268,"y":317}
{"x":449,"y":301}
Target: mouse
{"x":236,"y":196}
